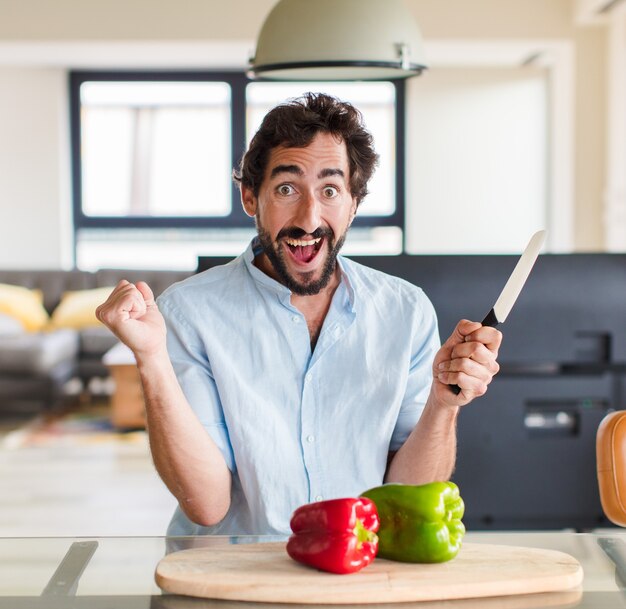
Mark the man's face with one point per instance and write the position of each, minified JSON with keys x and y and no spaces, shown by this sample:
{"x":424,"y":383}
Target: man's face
{"x":303,"y":212}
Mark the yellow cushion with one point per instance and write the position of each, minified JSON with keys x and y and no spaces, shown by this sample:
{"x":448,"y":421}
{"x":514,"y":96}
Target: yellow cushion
{"x":78,"y":309}
{"x":25,"y":305}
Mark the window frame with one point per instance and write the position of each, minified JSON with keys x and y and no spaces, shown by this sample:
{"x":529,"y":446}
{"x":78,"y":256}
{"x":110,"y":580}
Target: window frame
{"x":237,"y":218}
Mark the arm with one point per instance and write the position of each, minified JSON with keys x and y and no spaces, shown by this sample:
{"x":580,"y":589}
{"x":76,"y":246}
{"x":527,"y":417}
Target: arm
{"x":187,"y":459}
{"x":468,"y":359}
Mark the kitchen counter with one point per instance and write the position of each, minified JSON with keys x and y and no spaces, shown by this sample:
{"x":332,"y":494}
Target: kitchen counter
{"x":119,"y":572}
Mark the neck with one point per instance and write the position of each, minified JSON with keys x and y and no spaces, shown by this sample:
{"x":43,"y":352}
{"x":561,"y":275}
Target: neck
{"x":322,"y":299}
{"x":314,"y":307}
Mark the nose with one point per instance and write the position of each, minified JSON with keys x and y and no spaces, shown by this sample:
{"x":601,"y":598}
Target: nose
{"x":308,"y":216}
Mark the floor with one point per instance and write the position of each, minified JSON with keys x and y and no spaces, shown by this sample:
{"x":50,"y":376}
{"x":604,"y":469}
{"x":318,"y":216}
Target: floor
{"x":99,"y":488}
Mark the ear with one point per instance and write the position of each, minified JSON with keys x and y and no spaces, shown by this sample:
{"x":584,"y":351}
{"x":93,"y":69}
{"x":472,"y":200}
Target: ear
{"x":249,"y":201}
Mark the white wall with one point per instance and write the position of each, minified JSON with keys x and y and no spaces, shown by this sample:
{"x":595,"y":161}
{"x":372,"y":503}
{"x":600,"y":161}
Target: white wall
{"x":476,"y":167}
{"x":35,"y":198}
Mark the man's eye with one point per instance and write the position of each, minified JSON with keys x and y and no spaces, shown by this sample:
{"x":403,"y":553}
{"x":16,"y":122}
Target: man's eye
{"x":285,"y":189}
{"x":330,"y":192}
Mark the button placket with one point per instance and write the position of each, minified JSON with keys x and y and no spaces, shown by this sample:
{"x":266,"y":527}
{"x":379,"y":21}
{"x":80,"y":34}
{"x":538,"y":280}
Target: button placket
{"x":309,"y":438}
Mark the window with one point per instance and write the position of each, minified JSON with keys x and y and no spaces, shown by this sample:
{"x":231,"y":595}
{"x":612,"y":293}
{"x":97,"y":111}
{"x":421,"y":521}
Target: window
{"x":155,"y":149}
{"x":153,"y":153}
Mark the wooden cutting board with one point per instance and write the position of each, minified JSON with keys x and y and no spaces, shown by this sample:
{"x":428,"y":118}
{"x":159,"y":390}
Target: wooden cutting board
{"x":264,"y":573}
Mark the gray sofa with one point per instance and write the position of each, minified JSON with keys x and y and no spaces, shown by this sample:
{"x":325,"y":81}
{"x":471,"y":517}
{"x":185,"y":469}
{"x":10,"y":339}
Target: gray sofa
{"x":36,"y":369}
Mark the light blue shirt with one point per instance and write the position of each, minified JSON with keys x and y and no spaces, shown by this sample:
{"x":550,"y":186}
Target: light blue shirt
{"x":296,"y":425}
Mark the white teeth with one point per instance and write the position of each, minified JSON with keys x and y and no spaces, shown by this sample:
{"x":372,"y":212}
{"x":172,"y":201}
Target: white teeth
{"x":302,"y":242}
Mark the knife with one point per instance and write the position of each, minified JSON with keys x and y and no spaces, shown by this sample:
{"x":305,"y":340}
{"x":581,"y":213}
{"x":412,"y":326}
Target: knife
{"x":513,"y":287}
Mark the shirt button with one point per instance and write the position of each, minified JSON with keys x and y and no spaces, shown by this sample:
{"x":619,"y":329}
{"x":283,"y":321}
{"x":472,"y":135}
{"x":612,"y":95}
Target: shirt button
{"x":308,"y":378}
{"x":295,"y":319}
{"x":310,"y":439}
{"x":319,"y":498}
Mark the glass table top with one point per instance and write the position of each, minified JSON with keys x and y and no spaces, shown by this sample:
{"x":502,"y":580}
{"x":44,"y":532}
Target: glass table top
{"x":116,"y":572}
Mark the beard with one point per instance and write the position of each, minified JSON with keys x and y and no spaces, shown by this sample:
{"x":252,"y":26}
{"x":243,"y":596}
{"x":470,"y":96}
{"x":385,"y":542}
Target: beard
{"x":303,"y":284}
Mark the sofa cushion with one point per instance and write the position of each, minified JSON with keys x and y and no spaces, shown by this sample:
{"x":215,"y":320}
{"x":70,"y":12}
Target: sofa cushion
{"x":10,"y":326}
{"x":77,"y":309}
{"x":24,"y":305}
{"x":37,"y":352}
{"x":52,"y":282}
{"x":96,"y":341}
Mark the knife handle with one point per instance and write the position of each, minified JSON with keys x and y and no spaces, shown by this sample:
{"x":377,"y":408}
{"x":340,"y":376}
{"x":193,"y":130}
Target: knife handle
{"x":490,"y":320}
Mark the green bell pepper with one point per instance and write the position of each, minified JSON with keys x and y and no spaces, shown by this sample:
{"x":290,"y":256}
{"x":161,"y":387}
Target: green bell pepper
{"x":419,"y":523}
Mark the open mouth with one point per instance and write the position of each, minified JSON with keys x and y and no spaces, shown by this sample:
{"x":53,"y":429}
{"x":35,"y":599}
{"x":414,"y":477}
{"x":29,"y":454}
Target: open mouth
{"x":304,"y":250}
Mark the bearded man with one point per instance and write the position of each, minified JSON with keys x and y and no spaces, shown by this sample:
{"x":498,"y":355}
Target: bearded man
{"x":293,"y":374}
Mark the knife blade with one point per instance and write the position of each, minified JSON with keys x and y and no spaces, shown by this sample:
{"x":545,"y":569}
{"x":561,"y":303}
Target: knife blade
{"x":501,"y":309}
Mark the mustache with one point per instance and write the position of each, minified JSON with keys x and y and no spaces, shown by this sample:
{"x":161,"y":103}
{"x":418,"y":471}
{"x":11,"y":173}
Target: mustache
{"x":294,"y":232}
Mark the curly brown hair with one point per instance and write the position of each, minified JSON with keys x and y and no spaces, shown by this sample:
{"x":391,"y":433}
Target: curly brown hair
{"x":295,"y":123}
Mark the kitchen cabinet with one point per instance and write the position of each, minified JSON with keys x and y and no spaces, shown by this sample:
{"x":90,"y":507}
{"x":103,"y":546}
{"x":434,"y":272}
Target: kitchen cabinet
{"x":526,"y":452}
{"x":526,"y":449}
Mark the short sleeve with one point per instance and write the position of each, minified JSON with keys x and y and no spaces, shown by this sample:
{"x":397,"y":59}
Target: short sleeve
{"x":424,"y":346}
{"x":193,"y":370}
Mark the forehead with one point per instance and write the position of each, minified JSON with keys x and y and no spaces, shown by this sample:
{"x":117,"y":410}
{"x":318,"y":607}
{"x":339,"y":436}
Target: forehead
{"x":324,"y":152}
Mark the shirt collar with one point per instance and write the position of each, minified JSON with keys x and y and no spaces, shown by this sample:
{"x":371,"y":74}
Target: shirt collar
{"x":346,"y":279}
{"x":254,"y":248}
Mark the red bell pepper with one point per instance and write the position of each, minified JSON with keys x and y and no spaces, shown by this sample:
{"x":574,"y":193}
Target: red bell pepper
{"x":337,"y":535}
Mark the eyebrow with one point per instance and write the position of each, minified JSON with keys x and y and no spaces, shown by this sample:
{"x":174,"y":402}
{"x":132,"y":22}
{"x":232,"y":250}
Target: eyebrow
{"x":327,"y":173}
{"x":295,"y":170}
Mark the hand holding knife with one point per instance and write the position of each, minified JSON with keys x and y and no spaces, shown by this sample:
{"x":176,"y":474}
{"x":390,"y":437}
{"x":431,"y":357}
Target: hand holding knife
{"x":513,"y":287}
